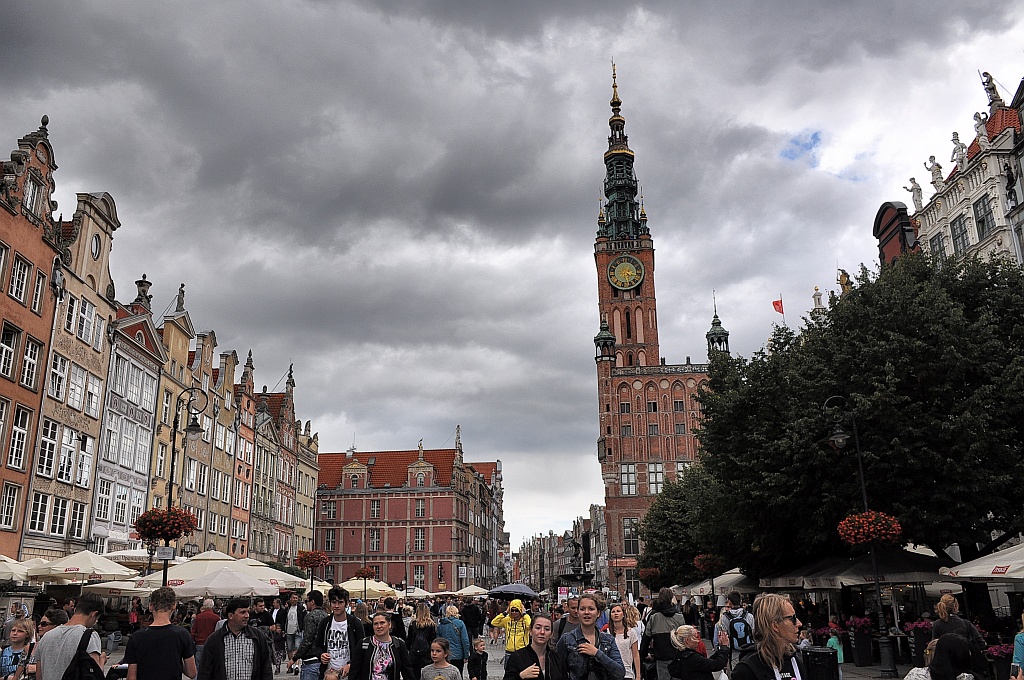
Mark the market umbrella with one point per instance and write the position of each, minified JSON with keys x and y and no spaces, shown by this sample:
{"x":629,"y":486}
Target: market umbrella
{"x":12,"y":571}
{"x":512,"y":591}
{"x":471,"y":591}
{"x":273,"y":576}
{"x":202,"y":564}
{"x":725,"y":584}
{"x":5,"y":558}
{"x":1005,"y":565}
{"x":374,"y":589}
{"x":138,"y":557}
{"x":225,"y":582}
{"x":119,"y":588}
{"x":81,"y":566}
{"x":416,"y":593}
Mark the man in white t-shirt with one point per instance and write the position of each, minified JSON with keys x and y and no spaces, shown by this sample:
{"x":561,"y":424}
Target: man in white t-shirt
{"x":339,"y":635}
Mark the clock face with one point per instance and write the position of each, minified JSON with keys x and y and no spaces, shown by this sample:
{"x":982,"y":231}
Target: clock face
{"x":625,"y":272}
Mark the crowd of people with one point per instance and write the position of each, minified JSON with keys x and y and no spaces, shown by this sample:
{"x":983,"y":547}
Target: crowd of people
{"x":334,"y":638}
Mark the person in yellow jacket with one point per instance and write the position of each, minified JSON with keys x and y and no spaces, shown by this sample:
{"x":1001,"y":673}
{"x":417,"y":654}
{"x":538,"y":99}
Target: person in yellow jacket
{"x":517,"y":628}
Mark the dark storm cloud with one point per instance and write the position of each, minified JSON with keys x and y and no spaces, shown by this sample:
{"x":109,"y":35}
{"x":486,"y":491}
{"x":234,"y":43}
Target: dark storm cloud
{"x":400,"y":198}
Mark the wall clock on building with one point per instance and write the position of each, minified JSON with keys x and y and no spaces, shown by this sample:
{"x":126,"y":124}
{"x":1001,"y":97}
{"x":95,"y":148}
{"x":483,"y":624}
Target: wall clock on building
{"x":625,"y":272}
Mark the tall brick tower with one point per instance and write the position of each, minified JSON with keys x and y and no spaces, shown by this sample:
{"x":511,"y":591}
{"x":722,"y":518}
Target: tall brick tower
{"x":647,"y":409}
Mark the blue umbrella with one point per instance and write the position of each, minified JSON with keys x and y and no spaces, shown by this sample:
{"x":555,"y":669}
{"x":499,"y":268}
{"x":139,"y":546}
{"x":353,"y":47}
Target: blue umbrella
{"x":512,"y":591}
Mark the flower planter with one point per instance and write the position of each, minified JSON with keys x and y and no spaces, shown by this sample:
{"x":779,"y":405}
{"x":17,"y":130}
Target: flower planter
{"x":861,"y":649}
{"x":1001,"y":666}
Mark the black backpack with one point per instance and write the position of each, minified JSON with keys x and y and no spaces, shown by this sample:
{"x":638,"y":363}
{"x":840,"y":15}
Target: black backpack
{"x":420,"y":643}
{"x":740,"y":634}
{"x":83,"y":666}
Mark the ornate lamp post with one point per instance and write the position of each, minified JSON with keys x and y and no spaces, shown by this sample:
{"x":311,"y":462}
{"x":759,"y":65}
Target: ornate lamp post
{"x":838,"y":441}
{"x":193,"y":431}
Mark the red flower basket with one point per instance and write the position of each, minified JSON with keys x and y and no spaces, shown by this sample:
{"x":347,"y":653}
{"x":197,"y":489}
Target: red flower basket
{"x":312,"y":559}
{"x":166,"y":525}
{"x":865,"y":527}
{"x":707,"y":563}
{"x":364,"y":572}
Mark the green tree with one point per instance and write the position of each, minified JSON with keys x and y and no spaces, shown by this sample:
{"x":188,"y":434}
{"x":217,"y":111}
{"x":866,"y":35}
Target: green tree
{"x":929,"y":358}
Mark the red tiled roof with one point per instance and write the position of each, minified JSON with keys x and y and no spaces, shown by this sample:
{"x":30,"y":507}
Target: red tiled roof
{"x":390,"y":467}
{"x":488,"y":470}
{"x":191,"y":357}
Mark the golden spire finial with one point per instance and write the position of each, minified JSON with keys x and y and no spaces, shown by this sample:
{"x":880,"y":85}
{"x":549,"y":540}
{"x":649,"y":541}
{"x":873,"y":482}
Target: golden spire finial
{"x":615,"y":102}
{"x":600,"y":209}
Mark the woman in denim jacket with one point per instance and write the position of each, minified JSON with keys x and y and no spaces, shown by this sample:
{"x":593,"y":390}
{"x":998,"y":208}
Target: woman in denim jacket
{"x":585,"y":652}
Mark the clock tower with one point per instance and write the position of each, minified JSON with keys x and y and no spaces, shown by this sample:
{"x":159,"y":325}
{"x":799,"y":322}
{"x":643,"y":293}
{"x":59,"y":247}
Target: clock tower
{"x":647,"y":409}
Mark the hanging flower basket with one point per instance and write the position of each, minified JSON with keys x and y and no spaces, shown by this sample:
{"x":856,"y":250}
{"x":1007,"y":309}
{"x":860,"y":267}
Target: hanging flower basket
{"x":707,"y":563}
{"x":165,"y":525}
{"x":364,"y":572}
{"x":312,"y":559}
{"x":865,"y":527}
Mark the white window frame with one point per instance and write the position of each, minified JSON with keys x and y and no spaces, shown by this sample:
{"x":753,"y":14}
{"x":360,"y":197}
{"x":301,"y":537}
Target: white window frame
{"x":59,"y":516}
{"x":59,"y":367}
{"x":39,"y":512}
{"x":17,"y":287}
{"x":104,"y":496}
{"x":9,"y":505}
{"x":20,"y":426}
{"x":38,"y":291}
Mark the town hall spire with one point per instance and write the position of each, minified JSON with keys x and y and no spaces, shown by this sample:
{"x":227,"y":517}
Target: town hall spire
{"x":621,"y":213}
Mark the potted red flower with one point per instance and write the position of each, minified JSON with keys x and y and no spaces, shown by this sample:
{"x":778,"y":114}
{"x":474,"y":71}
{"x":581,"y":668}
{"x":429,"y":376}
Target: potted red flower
{"x":860,"y":628}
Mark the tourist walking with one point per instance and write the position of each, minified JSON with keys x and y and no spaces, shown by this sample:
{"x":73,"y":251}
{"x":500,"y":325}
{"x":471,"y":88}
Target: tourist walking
{"x":236,"y":650}
{"x":60,"y":645}
{"x":203,"y":626}
{"x":579,"y":649}
{"x":420,"y":632}
{"x":304,"y":661}
{"x":516,"y":625}
{"x":689,"y":663}
{"x":161,"y":650}
{"x":624,"y":633}
{"x":451,"y":628}
{"x":383,"y":656}
{"x":536,"y":661}
{"x":338,"y":636}
{"x":776,"y":631}
{"x":440,"y":669}
{"x":663,"y":618}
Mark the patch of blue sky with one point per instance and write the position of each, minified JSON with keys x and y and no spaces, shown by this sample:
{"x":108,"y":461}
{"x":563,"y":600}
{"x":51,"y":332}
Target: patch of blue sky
{"x":803,"y":147}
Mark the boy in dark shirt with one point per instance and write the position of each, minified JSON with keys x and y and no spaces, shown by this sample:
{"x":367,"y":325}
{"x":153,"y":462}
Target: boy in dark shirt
{"x":478,"y":660}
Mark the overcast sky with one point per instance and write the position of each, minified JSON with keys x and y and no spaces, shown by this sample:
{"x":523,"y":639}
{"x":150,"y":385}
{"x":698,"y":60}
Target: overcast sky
{"x":401,"y":198}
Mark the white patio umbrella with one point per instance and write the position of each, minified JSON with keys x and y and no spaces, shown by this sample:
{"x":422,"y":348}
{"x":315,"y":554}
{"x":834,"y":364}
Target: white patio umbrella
{"x":225,"y":582}
{"x":416,"y":593}
{"x":139,"y":557}
{"x":81,"y":566}
{"x":202,"y":564}
{"x":119,"y":588}
{"x":5,"y":558}
{"x":1005,"y":565}
{"x":273,"y":576}
{"x":12,"y":571}
{"x":374,"y":589}
{"x":471,"y":591}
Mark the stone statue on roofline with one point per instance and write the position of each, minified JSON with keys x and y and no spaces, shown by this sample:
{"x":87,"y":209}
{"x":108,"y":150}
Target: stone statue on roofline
{"x":981,"y":129}
{"x":933,"y":167}
{"x":1011,"y":186}
{"x":959,"y":154}
{"x":915,"y":194}
{"x":988,"y":82}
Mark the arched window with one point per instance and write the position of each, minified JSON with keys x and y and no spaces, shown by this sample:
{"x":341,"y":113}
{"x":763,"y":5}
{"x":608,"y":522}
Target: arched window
{"x":629,"y":357}
{"x":420,"y":479}
{"x":355,"y":481}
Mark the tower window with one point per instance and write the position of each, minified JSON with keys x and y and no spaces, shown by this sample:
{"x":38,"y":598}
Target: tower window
{"x":629,"y":326}
{"x":624,"y":407}
{"x":652,"y":407}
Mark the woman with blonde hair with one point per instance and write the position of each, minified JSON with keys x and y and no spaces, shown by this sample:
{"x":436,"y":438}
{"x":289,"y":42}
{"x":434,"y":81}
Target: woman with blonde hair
{"x":419,"y":636}
{"x":776,"y":632}
{"x":950,"y":621}
{"x":689,"y":663}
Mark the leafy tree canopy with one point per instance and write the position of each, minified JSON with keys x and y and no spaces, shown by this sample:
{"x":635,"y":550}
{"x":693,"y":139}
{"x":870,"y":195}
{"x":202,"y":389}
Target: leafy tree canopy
{"x":928,"y":359}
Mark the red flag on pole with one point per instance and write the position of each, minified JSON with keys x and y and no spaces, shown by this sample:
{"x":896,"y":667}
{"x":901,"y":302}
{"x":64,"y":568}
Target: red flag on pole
{"x":777,"y":304}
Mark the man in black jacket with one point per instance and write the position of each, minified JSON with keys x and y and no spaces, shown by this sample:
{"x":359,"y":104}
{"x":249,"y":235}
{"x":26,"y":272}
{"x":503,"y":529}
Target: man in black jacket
{"x":473,"y":618}
{"x":338,"y":636}
{"x":238,"y":646}
{"x":290,"y":619}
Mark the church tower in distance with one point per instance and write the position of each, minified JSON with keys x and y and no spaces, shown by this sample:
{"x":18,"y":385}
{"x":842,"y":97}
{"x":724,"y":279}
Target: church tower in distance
{"x":648,"y":409}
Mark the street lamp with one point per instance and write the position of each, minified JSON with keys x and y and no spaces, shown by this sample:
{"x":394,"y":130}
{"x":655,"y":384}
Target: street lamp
{"x":838,"y":441}
{"x":193,"y":431}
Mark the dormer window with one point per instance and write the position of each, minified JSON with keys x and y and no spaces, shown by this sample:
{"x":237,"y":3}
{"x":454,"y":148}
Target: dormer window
{"x":355,"y":481}
{"x":420,"y":479}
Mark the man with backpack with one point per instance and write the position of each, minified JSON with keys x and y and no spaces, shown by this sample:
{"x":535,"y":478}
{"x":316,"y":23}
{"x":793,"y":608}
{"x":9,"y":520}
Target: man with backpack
{"x":58,"y":649}
{"x":738,"y":623}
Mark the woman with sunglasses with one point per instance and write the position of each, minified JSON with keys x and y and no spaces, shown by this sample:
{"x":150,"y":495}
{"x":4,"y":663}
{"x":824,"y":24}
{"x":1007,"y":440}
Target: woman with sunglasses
{"x":776,"y":632}
{"x":384,"y":657}
{"x":50,"y":620}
